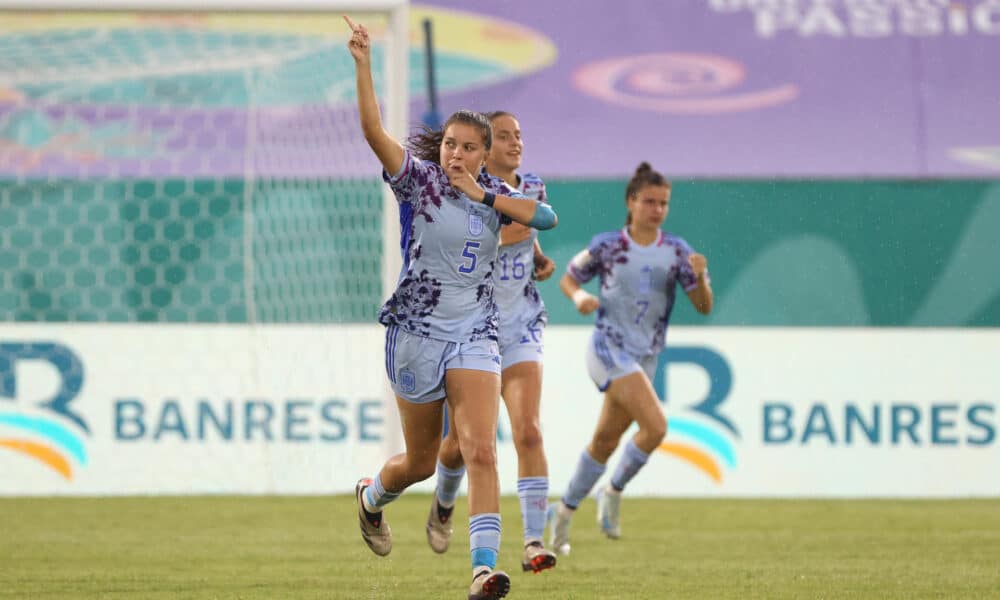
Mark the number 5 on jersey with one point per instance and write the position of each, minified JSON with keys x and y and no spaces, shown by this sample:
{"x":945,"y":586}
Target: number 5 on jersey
{"x":469,"y":253}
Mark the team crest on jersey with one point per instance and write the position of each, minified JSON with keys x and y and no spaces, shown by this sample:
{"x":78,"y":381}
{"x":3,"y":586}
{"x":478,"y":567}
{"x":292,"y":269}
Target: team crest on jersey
{"x":475,"y":224}
{"x":645,"y":279}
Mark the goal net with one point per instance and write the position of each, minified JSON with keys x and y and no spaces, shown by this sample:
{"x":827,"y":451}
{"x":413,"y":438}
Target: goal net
{"x":193,"y":162}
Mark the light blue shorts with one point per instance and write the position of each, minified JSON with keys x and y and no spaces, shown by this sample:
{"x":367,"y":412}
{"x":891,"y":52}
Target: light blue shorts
{"x":522,"y":343}
{"x":416,"y":365}
{"x":607,"y":362}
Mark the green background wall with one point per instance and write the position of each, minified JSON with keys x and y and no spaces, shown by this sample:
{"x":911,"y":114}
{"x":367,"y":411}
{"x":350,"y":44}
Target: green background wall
{"x":781,"y":253}
{"x":815,"y":253}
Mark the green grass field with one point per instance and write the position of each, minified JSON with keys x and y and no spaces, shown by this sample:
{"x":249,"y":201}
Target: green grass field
{"x":269,"y":547}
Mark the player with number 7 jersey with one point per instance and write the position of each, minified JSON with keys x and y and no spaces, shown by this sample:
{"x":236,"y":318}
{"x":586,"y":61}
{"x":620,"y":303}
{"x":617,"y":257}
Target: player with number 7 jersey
{"x":639,"y":268}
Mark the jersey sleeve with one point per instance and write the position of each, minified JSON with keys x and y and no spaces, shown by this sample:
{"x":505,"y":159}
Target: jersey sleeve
{"x":585,"y":265}
{"x":501,"y":188}
{"x":685,"y":274}
{"x":543,"y":195}
{"x":407,"y":181}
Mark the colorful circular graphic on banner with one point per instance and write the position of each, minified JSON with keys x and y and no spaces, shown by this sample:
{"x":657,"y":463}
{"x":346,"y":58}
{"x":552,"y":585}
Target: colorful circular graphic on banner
{"x":677,"y":83}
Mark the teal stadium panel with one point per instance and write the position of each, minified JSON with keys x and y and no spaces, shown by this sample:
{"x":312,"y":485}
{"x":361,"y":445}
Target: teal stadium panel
{"x":815,"y":253}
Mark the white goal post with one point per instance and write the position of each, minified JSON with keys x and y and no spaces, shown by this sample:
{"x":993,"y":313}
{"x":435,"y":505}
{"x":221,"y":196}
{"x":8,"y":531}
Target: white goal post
{"x":197,"y":166}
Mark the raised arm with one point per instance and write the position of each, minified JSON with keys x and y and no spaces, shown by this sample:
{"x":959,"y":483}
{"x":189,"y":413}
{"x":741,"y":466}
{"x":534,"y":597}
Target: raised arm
{"x":389,"y":152}
{"x":701,"y":295}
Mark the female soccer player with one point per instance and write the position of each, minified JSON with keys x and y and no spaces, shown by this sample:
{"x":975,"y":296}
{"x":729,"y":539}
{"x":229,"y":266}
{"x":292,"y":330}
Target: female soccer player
{"x":639,"y":268}
{"x":441,"y":321}
{"x":522,"y":318}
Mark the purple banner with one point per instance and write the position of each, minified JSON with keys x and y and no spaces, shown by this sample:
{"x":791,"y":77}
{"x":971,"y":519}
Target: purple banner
{"x":700,"y":88}
{"x":748,"y":88}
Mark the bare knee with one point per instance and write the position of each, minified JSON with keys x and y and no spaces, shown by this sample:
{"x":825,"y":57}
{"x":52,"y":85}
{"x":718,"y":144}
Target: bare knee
{"x":451,"y":453}
{"x":479,"y":454}
{"x":527,"y":437}
{"x":424,"y":469}
{"x":421,"y":465}
{"x":654,"y":432}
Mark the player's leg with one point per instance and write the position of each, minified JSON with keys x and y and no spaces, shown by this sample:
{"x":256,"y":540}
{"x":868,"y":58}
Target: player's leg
{"x":450,"y":471}
{"x":521,"y":389}
{"x":591,"y":465}
{"x":472,"y":384}
{"x":635,"y":396}
{"x":421,"y":424}
{"x":604,"y":366}
{"x":607,"y":366}
{"x":415,"y":368}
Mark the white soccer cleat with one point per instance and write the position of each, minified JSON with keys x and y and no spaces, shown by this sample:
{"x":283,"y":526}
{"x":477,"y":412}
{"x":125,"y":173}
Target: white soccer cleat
{"x":374,"y":530}
{"x":609,"y":504}
{"x":558,"y":518}
{"x":488,"y":584}
{"x":438,"y":527}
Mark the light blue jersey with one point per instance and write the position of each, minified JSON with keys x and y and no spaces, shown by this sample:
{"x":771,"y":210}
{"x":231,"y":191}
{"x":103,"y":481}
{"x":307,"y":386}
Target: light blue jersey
{"x":521,"y":310}
{"x":638,"y":285}
{"x":449,"y":245}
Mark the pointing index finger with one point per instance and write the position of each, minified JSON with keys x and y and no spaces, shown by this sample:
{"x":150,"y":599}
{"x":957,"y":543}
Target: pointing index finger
{"x":350,"y":23}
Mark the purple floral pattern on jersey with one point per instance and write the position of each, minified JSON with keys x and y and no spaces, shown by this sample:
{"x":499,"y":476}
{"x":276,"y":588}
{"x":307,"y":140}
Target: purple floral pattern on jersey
{"x":427,"y":201}
{"x":660,"y":330}
{"x":484,"y":296}
{"x":531,"y":293}
{"x":610,"y":332}
{"x":613,"y":253}
{"x":413,"y":302}
{"x":604,"y":255}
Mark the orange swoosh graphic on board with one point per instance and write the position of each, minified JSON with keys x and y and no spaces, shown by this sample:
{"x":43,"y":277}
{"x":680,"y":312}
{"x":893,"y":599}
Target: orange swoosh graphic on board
{"x":696,"y":457}
{"x":41,"y":453}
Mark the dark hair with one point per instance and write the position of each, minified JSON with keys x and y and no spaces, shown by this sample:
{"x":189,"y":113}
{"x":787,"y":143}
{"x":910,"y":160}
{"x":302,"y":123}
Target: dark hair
{"x":499,"y":113}
{"x":426,"y":145}
{"x":644,"y":175}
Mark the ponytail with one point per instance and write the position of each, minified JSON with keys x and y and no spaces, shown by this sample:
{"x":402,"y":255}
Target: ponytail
{"x":644,"y":175}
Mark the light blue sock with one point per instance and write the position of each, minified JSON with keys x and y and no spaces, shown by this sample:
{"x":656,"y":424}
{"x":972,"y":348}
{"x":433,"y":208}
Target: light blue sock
{"x":534,"y":495}
{"x":448,"y":482}
{"x":375,"y":495}
{"x":588,"y":471}
{"x":484,"y":540}
{"x":631,"y":461}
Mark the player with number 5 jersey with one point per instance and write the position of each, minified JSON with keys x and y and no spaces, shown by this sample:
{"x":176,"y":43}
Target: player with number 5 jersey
{"x":639,"y":268}
{"x":441,"y":321}
{"x":519,"y":264}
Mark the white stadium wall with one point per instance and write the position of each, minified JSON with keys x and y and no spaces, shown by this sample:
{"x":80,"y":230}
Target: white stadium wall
{"x":189,"y":409}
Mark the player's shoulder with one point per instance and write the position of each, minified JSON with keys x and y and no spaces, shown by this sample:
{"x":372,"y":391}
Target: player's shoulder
{"x":532,"y":186}
{"x":605,"y":239}
{"x":530,"y":181}
{"x":675,"y":241}
{"x":497,"y":185}
{"x":491,"y":180}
